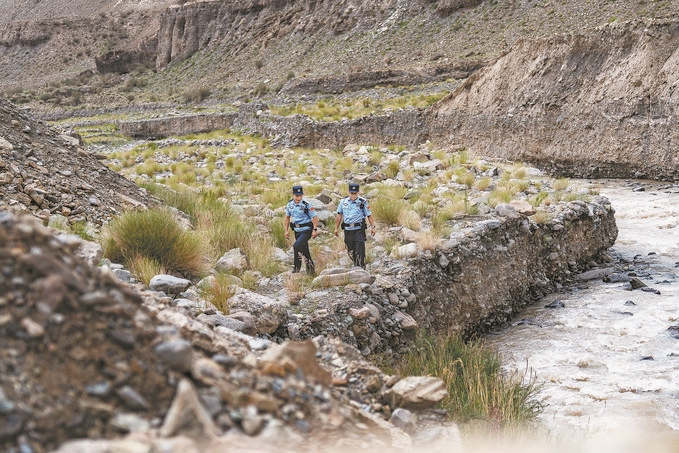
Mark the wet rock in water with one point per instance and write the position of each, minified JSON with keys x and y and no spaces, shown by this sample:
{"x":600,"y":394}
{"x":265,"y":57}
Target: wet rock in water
{"x":525,"y":322}
{"x":616,"y":277}
{"x":673,"y":331}
{"x":630,"y":302}
{"x":624,"y":313}
{"x":635,"y":283}
{"x":556,"y":304}
{"x":648,"y":289}
{"x":595,"y":274}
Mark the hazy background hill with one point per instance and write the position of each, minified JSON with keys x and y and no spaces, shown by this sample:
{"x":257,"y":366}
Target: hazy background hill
{"x":134,"y":53}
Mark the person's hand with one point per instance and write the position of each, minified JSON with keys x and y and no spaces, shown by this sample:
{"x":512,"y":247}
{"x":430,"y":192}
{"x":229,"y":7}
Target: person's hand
{"x":336,"y":232}
{"x":314,"y":233}
{"x":372,"y":231}
{"x":287,"y":234}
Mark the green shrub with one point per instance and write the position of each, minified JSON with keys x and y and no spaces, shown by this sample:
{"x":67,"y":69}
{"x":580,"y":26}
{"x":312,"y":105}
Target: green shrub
{"x":217,"y":290}
{"x":156,"y":235}
{"x":477,"y":386}
{"x":388,"y":210}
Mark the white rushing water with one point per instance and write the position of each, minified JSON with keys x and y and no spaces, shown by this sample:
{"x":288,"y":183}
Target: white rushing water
{"x":607,"y":365}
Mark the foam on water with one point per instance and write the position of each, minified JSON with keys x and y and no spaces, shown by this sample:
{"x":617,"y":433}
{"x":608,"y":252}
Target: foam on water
{"x":606,"y":361}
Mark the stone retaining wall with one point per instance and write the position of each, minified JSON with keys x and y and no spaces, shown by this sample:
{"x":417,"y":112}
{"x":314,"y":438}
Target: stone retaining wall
{"x":401,"y":127}
{"x":479,"y":279}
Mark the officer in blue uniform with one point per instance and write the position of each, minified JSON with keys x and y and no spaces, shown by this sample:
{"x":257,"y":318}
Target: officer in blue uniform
{"x":301,"y":217}
{"x":352,"y":213}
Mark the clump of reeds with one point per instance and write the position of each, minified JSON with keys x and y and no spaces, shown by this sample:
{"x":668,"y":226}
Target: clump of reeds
{"x":478,"y":388}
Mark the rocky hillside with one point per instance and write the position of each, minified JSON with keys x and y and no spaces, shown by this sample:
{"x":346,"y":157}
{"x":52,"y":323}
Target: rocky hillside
{"x":93,"y":361}
{"x":240,"y":48}
{"x":49,"y":173}
{"x":87,"y":357}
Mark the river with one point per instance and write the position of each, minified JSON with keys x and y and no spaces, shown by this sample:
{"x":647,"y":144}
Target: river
{"x":607,"y":366}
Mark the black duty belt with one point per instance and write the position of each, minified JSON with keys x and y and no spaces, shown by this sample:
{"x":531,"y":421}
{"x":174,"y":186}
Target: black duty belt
{"x":350,"y":225}
{"x":301,"y":225}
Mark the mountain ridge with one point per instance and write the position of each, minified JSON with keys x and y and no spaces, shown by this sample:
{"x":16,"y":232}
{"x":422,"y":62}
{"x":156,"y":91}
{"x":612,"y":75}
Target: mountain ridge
{"x":238,"y":50}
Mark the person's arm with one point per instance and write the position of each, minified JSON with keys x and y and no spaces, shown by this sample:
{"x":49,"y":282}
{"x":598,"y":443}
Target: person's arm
{"x":286,"y":225}
{"x":314,"y":232}
{"x":338,"y":220}
{"x":372,"y":225}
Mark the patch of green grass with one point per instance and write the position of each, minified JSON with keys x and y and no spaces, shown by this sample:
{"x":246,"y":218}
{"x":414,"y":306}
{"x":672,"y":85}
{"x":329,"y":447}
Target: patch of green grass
{"x":392,"y":169}
{"x":221,"y":229}
{"x":542,"y":216}
{"x":278,"y":233}
{"x":144,"y":268}
{"x":336,"y":110}
{"x":156,"y":235}
{"x":561,"y":184}
{"x":537,"y":200}
{"x":389,"y":210}
{"x":218,"y":289}
{"x":477,"y":386}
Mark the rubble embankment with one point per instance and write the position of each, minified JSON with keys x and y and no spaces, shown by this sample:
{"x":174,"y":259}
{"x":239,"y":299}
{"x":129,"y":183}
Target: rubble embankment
{"x":473,"y":282}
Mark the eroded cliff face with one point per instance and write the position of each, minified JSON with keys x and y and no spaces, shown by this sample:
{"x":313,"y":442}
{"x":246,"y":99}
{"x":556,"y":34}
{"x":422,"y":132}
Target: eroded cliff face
{"x":235,"y":25}
{"x":597,"y":105}
{"x":602,"y":104}
{"x":476,"y":280}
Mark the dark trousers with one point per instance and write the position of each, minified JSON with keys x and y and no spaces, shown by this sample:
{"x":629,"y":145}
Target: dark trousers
{"x":355,"y":242}
{"x":301,"y":249}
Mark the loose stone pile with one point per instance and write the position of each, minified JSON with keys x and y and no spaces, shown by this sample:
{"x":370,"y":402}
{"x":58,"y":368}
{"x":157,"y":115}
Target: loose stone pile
{"x":47,"y":172}
{"x":86,"y":356}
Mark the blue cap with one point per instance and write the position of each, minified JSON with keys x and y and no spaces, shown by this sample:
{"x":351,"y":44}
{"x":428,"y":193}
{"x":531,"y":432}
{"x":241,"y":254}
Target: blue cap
{"x":297,"y":190}
{"x":353,"y":187}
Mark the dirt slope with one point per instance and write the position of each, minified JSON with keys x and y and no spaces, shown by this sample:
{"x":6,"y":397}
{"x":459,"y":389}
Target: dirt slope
{"x":45,"y":171}
{"x":588,"y":105}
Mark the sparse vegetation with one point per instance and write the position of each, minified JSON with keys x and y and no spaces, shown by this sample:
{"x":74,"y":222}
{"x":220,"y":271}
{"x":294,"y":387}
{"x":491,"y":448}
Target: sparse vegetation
{"x":217,"y":289}
{"x":203,"y":181}
{"x":477,"y":386}
{"x":157,"y":236}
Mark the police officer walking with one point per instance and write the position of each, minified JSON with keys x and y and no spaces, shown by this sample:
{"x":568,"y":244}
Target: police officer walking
{"x":301,"y":217}
{"x":352,"y":213}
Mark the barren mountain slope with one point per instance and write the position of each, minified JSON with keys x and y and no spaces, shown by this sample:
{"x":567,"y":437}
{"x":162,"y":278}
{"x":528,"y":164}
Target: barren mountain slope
{"x":32,"y":10}
{"x":245,"y":48}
